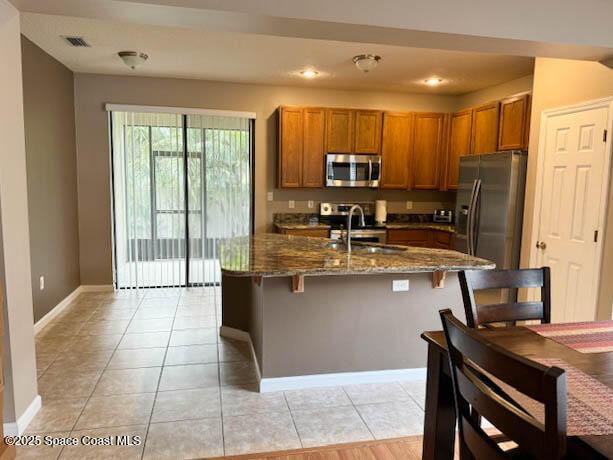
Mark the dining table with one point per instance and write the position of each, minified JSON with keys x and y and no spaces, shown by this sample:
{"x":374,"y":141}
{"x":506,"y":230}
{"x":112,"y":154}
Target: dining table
{"x":440,"y":417}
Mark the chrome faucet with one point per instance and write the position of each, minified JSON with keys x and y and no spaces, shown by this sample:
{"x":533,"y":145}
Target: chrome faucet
{"x":349,"y":216}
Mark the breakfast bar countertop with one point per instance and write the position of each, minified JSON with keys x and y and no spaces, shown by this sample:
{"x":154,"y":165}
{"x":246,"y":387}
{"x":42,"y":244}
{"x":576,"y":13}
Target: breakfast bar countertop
{"x":390,"y":226}
{"x":275,"y":255}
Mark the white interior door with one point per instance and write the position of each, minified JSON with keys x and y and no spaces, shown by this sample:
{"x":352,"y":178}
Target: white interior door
{"x":574,"y":185}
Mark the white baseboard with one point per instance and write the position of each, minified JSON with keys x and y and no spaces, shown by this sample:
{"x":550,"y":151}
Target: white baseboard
{"x":97,"y":288}
{"x":300,"y":382}
{"x":55,"y":311}
{"x":17,"y":428}
{"x":244,"y":336}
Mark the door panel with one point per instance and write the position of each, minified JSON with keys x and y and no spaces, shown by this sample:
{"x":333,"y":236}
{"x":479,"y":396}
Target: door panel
{"x":396,"y":150}
{"x":513,"y":119}
{"x":368,"y":131}
{"x":460,"y":133}
{"x":427,"y":149}
{"x":485,"y":128}
{"x":314,"y":149}
{"x":339,"y":130}
{"x":574,"y":173}
{"x":291,"y":145}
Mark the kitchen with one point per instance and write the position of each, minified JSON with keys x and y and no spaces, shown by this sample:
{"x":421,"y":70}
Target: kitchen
{"x":476,"y":154}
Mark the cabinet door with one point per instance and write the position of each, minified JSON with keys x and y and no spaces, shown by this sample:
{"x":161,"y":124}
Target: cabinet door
{"x":427,"y":147}
{"x":460,"y":132}
{"x":513,"y":119}
{"x":485,"y":128}
{"x":418,"y":237}
{"x":367,"y":131}
{"x":396,"y":150}
{"x":291,"y":141}
{"x":339,"y":130}
{"x":313,"y":151}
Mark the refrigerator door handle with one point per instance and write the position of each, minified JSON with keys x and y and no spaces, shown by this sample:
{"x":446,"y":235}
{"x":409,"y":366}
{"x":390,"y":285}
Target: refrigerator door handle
{"x":469,"y":220}
{"x":475,"y":218}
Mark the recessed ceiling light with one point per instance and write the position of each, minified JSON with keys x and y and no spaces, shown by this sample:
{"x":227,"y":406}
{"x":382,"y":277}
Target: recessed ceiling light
{"x":366,"y":62}
{"x":433,"y":81}
{"x":309,"y":73}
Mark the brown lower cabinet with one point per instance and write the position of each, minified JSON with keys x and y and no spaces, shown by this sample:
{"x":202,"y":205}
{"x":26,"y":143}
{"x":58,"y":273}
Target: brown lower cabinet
{"x":423,"y":238}
{"x":315,"y":232}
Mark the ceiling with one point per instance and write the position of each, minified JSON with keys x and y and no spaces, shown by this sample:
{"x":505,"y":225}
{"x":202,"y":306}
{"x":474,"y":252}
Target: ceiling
{"x":265,"y":59}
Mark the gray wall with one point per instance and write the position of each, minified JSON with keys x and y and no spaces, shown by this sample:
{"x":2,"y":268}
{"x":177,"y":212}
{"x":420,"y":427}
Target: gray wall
{"x":93,"y":91}
{"x":48,"y":89}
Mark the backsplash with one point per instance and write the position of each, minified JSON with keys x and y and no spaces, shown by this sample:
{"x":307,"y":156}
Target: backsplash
{"x":303,"y":218}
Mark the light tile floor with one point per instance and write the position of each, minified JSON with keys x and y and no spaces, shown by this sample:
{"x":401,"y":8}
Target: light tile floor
{"x":152,"y":364}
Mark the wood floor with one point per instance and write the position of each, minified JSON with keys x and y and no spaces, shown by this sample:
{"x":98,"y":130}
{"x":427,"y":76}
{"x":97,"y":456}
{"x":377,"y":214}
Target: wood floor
{"x":408,"y":448}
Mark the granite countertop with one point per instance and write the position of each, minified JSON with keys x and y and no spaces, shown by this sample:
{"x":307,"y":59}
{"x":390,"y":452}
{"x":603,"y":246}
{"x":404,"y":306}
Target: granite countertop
{"x":391,"y":226}
{"x":272,"y":254}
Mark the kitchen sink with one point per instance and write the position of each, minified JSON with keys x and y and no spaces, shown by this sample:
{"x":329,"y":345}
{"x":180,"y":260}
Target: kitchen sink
{"x":365,"y":249}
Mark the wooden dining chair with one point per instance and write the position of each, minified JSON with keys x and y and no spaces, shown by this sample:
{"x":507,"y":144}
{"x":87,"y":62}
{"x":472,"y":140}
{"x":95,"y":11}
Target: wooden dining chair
{"x":476,"y":280}
{"x":474,"y":362}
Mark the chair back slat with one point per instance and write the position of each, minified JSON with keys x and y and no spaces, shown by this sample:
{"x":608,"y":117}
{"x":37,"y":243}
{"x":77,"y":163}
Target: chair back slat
{"x":507,"y":312}
{"x":476,"y":366}
{"x":477,"y":280}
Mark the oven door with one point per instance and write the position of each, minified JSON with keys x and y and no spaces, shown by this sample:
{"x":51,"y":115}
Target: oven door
{"x":352,"y":170}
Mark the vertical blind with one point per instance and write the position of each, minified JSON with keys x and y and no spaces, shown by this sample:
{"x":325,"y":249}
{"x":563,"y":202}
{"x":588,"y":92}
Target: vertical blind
{"x":181,"y":185}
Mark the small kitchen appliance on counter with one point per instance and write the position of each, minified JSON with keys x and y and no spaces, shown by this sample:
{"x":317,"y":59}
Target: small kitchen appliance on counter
{"x":380,"y":212}
{"x":442,"y":216}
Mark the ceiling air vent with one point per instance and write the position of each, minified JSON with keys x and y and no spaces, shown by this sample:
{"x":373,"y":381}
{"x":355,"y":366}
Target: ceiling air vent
{"x":76,"y":41}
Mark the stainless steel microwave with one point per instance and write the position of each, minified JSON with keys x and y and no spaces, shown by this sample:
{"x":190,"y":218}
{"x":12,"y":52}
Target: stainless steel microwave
{"x":353,"y":170}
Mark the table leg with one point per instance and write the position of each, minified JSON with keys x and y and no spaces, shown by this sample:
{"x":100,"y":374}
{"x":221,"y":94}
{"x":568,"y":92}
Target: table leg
{"x":440,"y":419}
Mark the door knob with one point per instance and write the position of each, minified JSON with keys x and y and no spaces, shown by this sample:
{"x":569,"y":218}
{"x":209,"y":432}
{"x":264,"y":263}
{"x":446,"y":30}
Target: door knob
{"x":541,"y":245}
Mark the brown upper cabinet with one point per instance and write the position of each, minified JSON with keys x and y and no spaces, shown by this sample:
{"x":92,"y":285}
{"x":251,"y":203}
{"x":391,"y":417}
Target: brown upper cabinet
{"x":428,"y":134}
{"x":339,"y":130}
{"x":460,"y":135}
{"x":396,"y":148}
{"x":485,"y":128}
{"x":514,"y":113}
{"x":367,"y":131}
{"x":301,"y":147}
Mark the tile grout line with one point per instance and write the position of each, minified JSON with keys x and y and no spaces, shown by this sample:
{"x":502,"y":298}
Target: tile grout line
{"x":358,"y":412}
{"x":90,"y":395}
{"x":289,"y":408}
{"x":159,"y":380}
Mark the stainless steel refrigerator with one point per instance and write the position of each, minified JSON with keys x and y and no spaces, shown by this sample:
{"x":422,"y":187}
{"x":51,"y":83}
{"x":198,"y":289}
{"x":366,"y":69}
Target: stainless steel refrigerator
{"x":490,"y":207}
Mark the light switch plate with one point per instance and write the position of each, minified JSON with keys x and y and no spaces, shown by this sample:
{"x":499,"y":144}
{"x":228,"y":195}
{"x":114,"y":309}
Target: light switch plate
{"x":400,"y":285}
{"x":311,"y":204}
{"x":42,"y":283}
{"x":292,"y":204}
{"x":409,"y":205}
{"x":269,"y":196}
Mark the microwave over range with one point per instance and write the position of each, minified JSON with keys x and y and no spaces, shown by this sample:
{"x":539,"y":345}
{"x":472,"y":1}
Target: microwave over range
{"x":353,"y":170}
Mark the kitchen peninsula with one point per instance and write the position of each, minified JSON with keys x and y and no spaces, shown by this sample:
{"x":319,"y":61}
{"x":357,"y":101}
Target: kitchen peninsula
{"x":316,"y":315}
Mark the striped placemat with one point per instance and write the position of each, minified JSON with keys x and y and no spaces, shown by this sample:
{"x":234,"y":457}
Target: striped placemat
{"x":588,"y":337}
{"x":589,"y":402}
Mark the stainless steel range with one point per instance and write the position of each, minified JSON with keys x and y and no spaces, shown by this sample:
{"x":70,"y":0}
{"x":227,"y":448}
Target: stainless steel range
{"x":335,"y":215}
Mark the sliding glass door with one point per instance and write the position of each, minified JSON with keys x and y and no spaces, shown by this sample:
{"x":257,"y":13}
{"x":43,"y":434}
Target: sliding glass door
{"x":181,"y":185}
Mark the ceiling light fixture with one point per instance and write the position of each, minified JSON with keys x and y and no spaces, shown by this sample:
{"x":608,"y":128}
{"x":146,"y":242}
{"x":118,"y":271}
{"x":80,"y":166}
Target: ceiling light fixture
{"x":366,"y":62}
{"x":309,"y":73}
{"x":433,"y":81}
{"x":132,"y":58}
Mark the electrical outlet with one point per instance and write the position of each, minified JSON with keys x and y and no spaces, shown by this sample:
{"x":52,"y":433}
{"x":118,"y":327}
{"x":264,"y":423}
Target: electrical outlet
{"x":311,"y":204}
{"x":269,"y":196}
{"x":291,"y":204}
{"x":42,"y":283}
{"x":409,"y":205}
{"x":400,"y":285}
